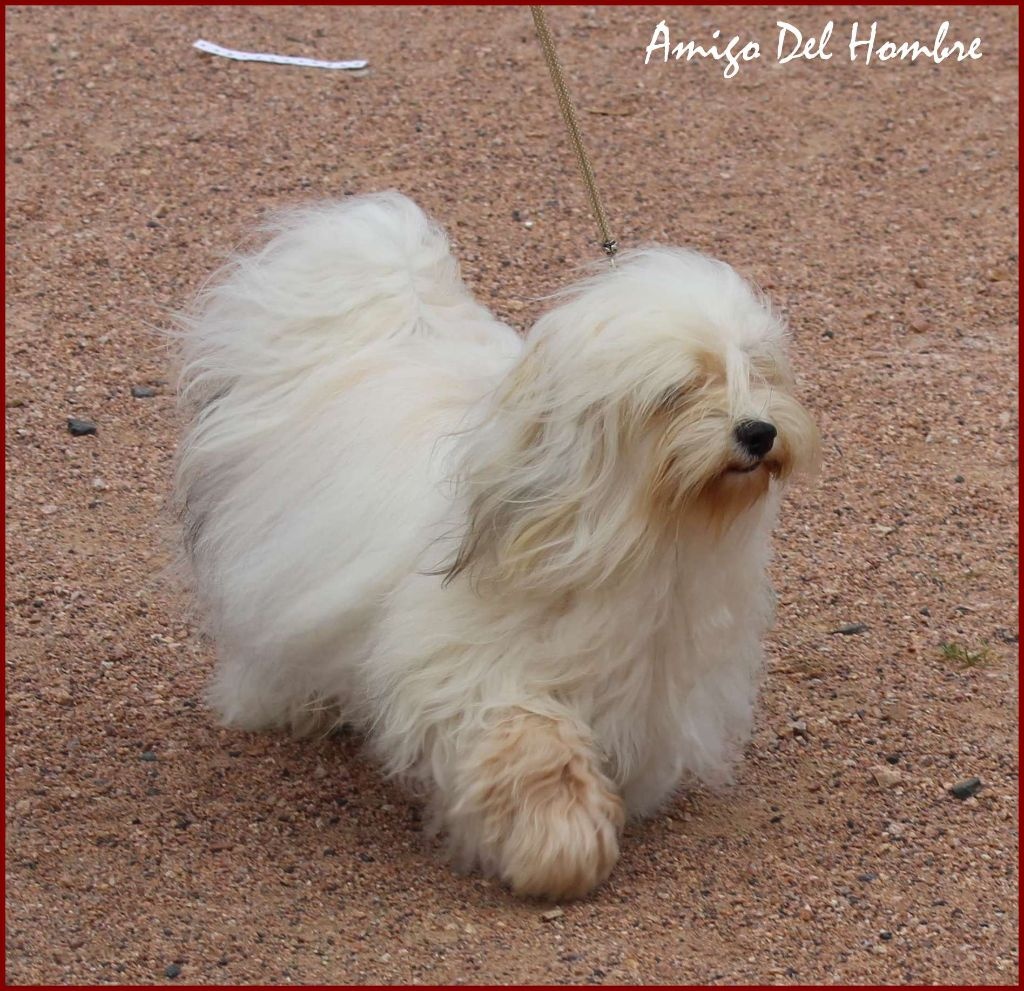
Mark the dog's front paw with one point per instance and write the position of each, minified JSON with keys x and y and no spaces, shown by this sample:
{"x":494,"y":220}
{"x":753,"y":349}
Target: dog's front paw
{"x":536,"y":810}
{"x":562,"y":845}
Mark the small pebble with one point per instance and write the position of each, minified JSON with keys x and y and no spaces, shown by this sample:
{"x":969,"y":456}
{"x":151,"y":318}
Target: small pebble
{"x":148,"y":755}
{"x":552,"y":914}
{"x":143,"y":392}
{"x":80,"y":428}
{"x":172,"y":970}
{"x":965,"y":789}
{"x":886,"y":777}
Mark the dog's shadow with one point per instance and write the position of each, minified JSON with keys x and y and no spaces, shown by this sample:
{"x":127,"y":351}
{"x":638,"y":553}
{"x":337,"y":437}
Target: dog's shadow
{"x":307,"y":799}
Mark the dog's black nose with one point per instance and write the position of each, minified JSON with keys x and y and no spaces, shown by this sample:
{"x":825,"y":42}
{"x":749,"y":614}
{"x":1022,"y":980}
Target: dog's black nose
{"x":755,"y":437}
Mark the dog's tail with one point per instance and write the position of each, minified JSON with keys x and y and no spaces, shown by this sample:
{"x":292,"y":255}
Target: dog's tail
{"x":333,"y":279}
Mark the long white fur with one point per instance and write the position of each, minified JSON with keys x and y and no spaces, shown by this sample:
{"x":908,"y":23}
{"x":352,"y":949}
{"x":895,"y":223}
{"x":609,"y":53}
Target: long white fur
{"x":358,"y":424}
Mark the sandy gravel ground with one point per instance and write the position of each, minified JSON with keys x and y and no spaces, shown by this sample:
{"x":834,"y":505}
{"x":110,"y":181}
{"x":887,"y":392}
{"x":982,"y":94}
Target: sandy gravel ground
{"x":878,"y":205}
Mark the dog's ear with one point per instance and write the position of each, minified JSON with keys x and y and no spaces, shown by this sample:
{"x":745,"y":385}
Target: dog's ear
{"x":548,"y":487}
{"x":510,"y":533}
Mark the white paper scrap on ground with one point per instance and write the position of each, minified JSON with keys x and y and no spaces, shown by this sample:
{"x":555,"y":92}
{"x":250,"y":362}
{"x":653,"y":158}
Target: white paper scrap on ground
{"x":312,"y":63}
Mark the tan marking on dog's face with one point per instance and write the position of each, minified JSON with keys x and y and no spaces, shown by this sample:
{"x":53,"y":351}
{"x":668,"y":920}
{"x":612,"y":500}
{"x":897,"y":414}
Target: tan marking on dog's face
{"x":730,"y":494}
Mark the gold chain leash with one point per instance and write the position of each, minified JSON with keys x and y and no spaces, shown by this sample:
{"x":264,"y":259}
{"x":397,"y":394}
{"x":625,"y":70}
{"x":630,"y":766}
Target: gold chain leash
{"x":608,"y":243}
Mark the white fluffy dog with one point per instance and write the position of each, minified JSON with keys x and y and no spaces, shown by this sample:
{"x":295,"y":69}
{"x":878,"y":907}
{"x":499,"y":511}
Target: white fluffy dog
{"x":531,"y":571}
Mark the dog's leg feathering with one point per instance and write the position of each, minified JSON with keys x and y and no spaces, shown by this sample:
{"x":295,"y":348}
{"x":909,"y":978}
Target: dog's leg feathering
{"x":531,"y":805}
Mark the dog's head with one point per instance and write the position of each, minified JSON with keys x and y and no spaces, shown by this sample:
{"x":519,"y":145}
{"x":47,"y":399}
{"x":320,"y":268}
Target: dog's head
{"x":658,"y":393}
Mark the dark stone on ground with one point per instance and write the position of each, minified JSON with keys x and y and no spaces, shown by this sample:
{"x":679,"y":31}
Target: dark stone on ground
{"x":80,"y":428}
{"x":965,"y":789}
{"x":850,"y":629}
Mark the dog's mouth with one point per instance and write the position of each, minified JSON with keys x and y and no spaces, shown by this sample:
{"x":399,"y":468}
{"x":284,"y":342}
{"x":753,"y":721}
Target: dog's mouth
{"x":744,"y":469}
{"x":773,"y":466}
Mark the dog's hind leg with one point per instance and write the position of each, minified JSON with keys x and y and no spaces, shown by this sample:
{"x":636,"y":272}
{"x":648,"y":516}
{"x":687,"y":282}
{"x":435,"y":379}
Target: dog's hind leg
{"x":531,"y":805}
